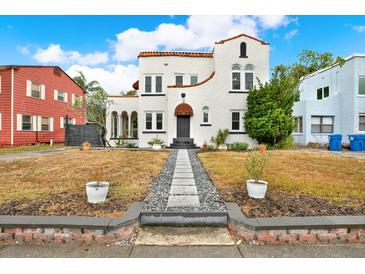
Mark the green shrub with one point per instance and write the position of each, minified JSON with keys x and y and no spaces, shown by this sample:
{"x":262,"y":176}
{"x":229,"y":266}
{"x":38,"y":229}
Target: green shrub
{"x":255,"y":165}
{"x":220,"y":137}
{"x":286,"y":143}
{"x":156,"y":141}
{"x":124,"y":143}
{"x":238,"y":146}
{"x":211,"y":148}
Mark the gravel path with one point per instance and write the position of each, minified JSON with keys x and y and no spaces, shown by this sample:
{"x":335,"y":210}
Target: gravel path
{"x":157,"y":198}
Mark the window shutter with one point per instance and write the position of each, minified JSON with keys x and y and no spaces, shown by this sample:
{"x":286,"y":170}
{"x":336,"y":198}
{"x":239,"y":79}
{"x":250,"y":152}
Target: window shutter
{"x":18,"y":122}
{"x":51,"y":124}
{"x":73,"y":99}
{"x":43,"y":92}
{"x":66,"y":99}
{"x":73,"y":121}
{"x":62,"y":122}
{"x":38,"y":123}
{"x":29,"y":88}
{"x":34,"y":123}
{"x":55,"y":95}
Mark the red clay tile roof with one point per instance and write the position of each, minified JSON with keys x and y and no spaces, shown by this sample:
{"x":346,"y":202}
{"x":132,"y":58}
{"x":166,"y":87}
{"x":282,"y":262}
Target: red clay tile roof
{"x":240,"y":35}
{"x":184,"y":109}
{"x":123,"y":96}
{"x":176,"y":53}
{"x":136,"y":85}
{"x":194,"y":85}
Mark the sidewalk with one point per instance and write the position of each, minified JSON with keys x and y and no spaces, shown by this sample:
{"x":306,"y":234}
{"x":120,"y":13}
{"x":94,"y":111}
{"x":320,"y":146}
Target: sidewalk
{"x":32,"y":154}
{"x":140,"y":251}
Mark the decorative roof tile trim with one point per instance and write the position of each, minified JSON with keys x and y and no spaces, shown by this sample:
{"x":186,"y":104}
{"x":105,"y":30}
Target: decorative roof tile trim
{"x":136,"y":85}
{"x":194,"y":85}
{"x":184,"y":109}
{"x":175,"y":53}
{"x":240,"y":35}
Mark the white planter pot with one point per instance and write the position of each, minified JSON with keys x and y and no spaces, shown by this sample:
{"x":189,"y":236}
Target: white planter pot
{"x":256,"y":190}
{"x":96,"y":194}
{"x":222,"y":147}
{"x":156,"y":146}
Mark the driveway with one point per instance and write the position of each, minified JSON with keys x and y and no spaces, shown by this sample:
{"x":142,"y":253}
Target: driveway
{"x":145,"y":251}
{"x":32,"y":154}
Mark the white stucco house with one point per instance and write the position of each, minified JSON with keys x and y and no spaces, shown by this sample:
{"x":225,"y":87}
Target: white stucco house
{"x":332,"y":100}
{"x":186,"y":97}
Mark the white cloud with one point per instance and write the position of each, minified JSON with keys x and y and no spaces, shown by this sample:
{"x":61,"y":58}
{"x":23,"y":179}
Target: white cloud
{"x":273,"y":21}
{"x":25,"y":50}
{"x":55,"y":54}
{"x":291,"y":34}
{"x":118,"y":78}
{"x":199,"y":32}
{"x":359,"y":28}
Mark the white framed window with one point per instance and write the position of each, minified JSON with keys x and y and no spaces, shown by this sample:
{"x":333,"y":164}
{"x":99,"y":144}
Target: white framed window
{"x":237,"y":120}
{"x":205,"y":115}
{"x":60,"y":96}
{"x":45,"y":124}
{"x":154,"y":121}
{"x":71,"y":121}
{"x":153,"y":84}
{"x":179,"y":80}
{"x":248,"y":80}
{"x":323,"y":93}
{"x":362,"y":122}
{"x":322,"y":124}
{"x":298,"y":124}
{"x":193,"y":79}
{"x":242,"y":79}
{"x":148,"y":84}
{"x":25,"y":122}
{"x":362,"y":85}
{"x":35,"y":90}
{"x":159,"y":121}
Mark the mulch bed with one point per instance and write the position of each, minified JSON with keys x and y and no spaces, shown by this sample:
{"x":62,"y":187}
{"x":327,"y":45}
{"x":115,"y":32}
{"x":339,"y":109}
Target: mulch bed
{"x":65,"y":204}
{"x":280,"y":204}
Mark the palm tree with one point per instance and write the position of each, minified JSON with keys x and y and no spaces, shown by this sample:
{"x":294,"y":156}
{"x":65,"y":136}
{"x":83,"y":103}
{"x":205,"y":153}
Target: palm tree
{"x":89,"y":87}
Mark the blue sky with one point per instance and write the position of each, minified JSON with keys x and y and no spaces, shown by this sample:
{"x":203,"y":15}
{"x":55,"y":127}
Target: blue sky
{"x":106,"y":47}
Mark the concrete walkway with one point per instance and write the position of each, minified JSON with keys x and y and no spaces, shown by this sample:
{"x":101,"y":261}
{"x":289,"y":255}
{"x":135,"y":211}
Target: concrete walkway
{"x":183,"y":192}
{"x":144,"y":251}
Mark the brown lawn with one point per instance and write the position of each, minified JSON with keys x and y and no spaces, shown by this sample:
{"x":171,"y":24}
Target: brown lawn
{"x":55,"y":184}
{"x":334,"y":180}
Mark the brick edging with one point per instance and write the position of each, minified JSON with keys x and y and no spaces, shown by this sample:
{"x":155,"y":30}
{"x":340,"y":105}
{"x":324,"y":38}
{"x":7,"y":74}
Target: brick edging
{"x":62,"y":229}
{"x":319,"y":229}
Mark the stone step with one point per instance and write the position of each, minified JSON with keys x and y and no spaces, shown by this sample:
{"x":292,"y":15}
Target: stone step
{"x":167,"y":218}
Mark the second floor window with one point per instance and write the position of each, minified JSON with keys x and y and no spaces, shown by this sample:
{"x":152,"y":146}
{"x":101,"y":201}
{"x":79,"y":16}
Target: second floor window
{"x":179,"y":80}
{"x":193,"y":79}
{"x":248,"y":80}
{"x":148,"y":84}
{"x":36,"y":90}
{"x":236,"y":80}
{"x":362,"y":85}
{"x":323,"y":93}
{"x":158,"y":84}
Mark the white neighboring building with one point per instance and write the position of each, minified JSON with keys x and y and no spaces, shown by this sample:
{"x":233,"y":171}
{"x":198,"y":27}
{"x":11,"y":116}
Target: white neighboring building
{"x":189,"y":96}
{"x":332,"y":100}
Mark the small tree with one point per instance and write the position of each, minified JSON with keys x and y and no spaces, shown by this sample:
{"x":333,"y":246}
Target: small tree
{"x":220,"y":138}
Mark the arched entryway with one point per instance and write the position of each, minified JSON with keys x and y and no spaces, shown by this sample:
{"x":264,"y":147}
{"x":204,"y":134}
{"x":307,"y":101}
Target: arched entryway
{"x":183,"y":112}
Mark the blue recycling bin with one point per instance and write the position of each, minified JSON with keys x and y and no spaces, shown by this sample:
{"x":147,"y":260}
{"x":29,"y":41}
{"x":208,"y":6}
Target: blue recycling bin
{"x":335,"y":142}
{"x":357,"y":142}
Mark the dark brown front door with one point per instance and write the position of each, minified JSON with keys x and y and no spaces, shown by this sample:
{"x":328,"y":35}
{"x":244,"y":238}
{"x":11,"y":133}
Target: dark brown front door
{"x":183,"y":126}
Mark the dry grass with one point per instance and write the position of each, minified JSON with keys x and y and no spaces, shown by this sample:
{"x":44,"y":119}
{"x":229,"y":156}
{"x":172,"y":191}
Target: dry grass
{"x":28,"y":148}
{"x":334,"y":178}
{"x":130,"y":174}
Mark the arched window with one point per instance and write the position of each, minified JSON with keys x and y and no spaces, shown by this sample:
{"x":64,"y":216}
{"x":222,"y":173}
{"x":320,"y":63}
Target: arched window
{"x":249,"y":67}
{"x":236,"y":77}
{"x":205,"y":115}
{"x":114,"y":131}
{"x":243,"y":50}
{"x":236,"y":67}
